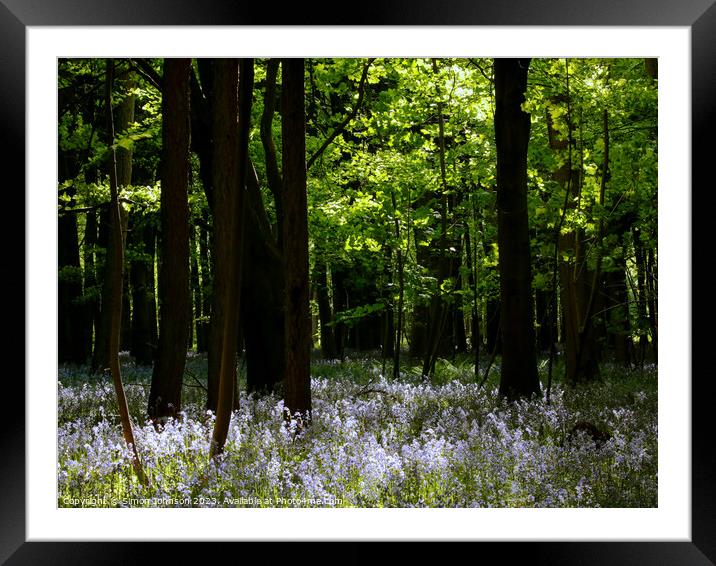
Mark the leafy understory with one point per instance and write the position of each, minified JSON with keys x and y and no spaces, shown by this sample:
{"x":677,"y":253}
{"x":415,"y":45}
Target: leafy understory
{"x":373,"y":442}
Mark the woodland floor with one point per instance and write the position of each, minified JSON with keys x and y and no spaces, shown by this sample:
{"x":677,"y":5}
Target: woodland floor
{"x":373,"y":442}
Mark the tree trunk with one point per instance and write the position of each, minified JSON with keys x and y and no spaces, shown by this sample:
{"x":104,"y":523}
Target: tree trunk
{"x":574,"y":274}
{"x":142,"y":280}
{"x":73,"y":332}
{"x":618,"y":312}
{"x":475,"y":338}
{"x":328,"y":341}
{"x":113,"y":282}
{"x":225,"y":174}
{"x":232,"y":116}
{"x":297,"y":388}
{"x":196,"y":290}
{"x":202,"y":327}
{"x":91,"y":292}
{"x":641,"y":299}
{"x":651,"y":282}
{"x":125,"y":117}
{"x":546,"y":311}
{"x":512,"y":133}
{"x":340,"y":303}
{"x":174,"y":297}
{"x":439,"y":308}
{"x":262,"y":289}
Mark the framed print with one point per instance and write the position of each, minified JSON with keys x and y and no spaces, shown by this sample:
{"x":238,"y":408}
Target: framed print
{"x":677,"y":528}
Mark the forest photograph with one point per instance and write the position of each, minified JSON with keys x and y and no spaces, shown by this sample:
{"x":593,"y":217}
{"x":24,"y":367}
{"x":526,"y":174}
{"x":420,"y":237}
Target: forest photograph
{"x":357,"y":282}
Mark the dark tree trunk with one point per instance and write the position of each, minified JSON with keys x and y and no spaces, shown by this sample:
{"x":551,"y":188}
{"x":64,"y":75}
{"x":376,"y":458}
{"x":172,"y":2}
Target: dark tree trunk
{"x":328,"y":340}
{"x":202,"y":327}
{"x":340,"y":304}
{"x":297,"y":387}
{"x":546,"y":319}
{"x":272,"y":170}
{"x":459,"y":340}
{"x":72,"y":337}
{"x":651,"y":281}
{"x":113,"y":282}
{"x":262,"y":293}
{"x":437,"y":341}
{"x":618,"y":312}
{"x":574,"y":275}
{"x":196,"y":290}
{"x":475,"y":338}
{"x":100,"y":354}
{"x":124,"y":117}
{"x":401,"y":290}
{"x":225,"y":175}
{"x":142,"y":279}
{"x":91,"y":290}
{"x":641,"y":300}
{"x":492,"y":329}
{"x":262,"y":316}
{"x":125,"y":333}
{"x":174,"y":297}
{"x":232,"y":116}
{"x":512,"y":133}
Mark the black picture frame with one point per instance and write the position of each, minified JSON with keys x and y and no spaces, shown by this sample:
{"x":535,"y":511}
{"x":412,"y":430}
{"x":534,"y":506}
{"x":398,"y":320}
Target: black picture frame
{"x":16,"y":15}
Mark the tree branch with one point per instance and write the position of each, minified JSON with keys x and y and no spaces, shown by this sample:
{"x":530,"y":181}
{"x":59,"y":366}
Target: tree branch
{"x":342,"y":126}
{"x":146,"y":70}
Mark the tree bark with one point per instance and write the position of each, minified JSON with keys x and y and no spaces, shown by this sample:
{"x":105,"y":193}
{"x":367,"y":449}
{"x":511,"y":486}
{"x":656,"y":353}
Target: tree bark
{"x":73,"y":333}
{"x":574,"y":274}
{"x":174,"y":295}
{"x":325,"y":314}
{"x":512,"y":133}
{"x":262,"y":289}
{"x":91,"y":292}
{"x":143,"y":300}
{"x":113,"y":279}
{"x":225,"y":178}
{"x":202,"y":328}
{"x":232,"y":116}
{"x":297,"y":387}
{"x":439,"y":308}
{"x":125,"y":117}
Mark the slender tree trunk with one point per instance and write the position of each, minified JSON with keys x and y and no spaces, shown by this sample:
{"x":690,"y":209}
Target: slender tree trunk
{"x":328,"y":341}
{"x":272,"y":170}
{"x":202,"y":328}
{"x":262,"y":289}
{"x":512,"y":133}
{"x":297,"y":388}
{"x":100,"y":352}
{"x":401,"y":288}
{"x":492,"y":330}
{"x":90,"y":277}
{"x":174,"y":296}
{"x":113,"y":279}
{"x":142,"y":279}
{"x":618,"y":311}
{"x":459,"y":340}
{"x":232,"y":116}
{"x":438,"y":305}
{"x":225,"y":188}
{"x":579,"y":340}
{"x":196,"y":290}
{"x":340,"y":303}
{"x":651,"y":281}
{"x":125,"y":117}
{"x":72,"y":338}
{"x":475,"y":338}
{"x":641,"y":300}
